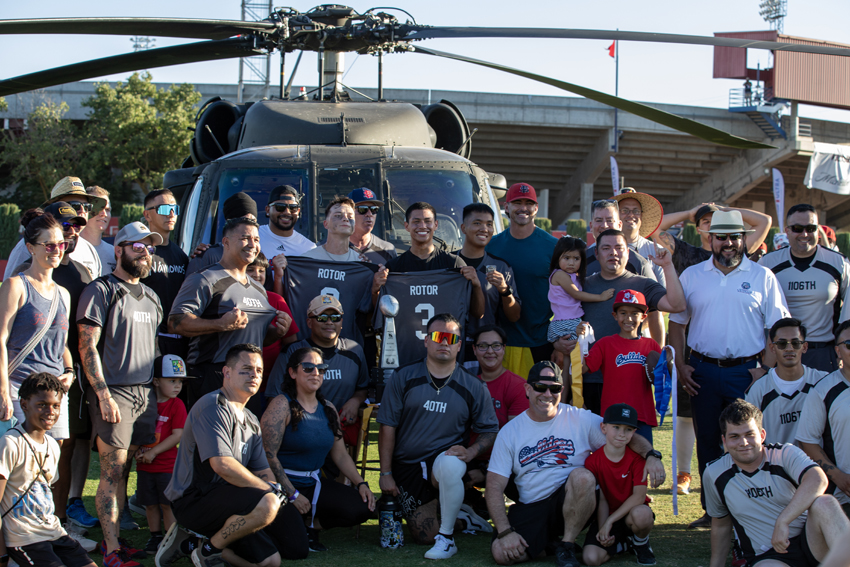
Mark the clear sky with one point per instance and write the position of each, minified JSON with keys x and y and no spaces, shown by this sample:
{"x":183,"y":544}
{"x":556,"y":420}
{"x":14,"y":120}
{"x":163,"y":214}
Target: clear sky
{"x":665,"y":73}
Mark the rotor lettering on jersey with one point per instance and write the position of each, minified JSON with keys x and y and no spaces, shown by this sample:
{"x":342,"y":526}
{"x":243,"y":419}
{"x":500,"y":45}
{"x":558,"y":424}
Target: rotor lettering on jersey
{"x":438,"y":407}
{"x":328,"y":274}
{"x":142,"y":317}
{"x":760,"y":492}
{"x":424,"y":290}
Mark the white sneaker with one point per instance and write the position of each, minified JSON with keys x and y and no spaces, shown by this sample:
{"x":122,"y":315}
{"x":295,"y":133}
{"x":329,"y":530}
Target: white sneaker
{"x":443,"y":548}
{"x":85,"y":543}
{"x":472,"y":522}
{"x":72,"y":527}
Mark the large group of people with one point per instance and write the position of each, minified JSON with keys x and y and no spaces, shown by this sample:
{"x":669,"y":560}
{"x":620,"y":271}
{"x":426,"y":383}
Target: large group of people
{"x":235,"y":380}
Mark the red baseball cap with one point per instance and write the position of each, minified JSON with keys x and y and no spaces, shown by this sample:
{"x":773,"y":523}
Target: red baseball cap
{"x":521,"y":191}
{"x":630,"y":297}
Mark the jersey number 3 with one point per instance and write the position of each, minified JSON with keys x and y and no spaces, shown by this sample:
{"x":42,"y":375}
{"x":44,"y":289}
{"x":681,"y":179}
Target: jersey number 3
{"x":428,"y":309}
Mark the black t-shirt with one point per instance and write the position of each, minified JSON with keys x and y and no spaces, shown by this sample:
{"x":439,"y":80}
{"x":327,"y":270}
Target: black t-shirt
{"x":168,"y":270}
{"x":474,"y":262}
{"x":438,"y":260}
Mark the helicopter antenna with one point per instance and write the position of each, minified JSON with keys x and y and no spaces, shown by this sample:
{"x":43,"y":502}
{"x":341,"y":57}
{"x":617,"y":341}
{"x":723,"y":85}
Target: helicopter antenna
{"x":215,"y":140}
{"x":474,"y":130}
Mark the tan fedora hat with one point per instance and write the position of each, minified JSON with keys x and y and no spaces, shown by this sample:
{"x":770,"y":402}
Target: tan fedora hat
{"x":727,"y":222}
{"x":74,"y":186}
{"x":651,"y":210}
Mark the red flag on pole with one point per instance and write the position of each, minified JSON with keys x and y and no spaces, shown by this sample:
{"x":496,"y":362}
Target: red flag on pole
{"x":612,"y":48}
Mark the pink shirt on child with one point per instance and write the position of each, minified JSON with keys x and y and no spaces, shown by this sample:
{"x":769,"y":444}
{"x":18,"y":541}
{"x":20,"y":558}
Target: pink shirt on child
{"x":563,"y":305}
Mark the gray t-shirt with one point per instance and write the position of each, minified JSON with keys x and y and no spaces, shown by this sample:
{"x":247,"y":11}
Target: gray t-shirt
{"x":636,"y":263}
{"x":212,"y":293}
{"x":430,"y":420}
{"x":598,"y":314}
{"x":214,"y":429}
{"x":211,"y":255}
{"x":106,"y":253}
{"x":346,"y":371}
{"x":129,"y":316}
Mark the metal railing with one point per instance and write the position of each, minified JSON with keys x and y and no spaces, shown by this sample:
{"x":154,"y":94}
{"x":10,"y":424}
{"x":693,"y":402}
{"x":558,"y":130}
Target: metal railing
{"x":740,"y":97}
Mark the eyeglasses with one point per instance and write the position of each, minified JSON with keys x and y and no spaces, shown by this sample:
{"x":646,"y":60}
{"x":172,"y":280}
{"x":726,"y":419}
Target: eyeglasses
{"x":283,"y":207}
{"x":140,"y":248}
{"x":540,"y":387}
{"x":165,"y":210}
{"x":323,"y":318}
{"x":50,"y":247}
{"x":733,"y":237}
{"x":627,"y":212}
{"x":309,"y":367}
{"x":69,"y":226}
{"x":80,"y":207}
{"x":439,"y":336}
{"x":484,"y":347}
{"x":798,"y":228}
{"x":782,"y":344}
{"x":363,"y":209}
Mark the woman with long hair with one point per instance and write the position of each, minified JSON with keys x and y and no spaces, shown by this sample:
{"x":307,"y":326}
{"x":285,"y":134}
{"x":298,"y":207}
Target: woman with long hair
{"x":300,"y":430}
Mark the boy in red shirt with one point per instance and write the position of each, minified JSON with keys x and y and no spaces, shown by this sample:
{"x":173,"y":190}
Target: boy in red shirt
{"x":623,"y":518}
{"x":627,"y":361}
{"x":155,"y":462}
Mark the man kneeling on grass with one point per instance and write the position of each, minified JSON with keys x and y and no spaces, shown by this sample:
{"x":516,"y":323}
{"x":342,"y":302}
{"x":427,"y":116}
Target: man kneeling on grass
{"x":766,"y":492}
{"x":32,"y":534}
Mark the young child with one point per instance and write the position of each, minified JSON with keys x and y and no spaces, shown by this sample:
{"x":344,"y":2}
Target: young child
{"x":623,"y":518}
{"x":627,"y":361}
{"x":32,"y":534}
{"x":155,"y":462}
{"x":567,"y":270}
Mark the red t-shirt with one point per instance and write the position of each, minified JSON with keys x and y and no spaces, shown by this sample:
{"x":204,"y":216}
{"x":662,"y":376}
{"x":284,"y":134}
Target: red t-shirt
{"x":509,"y":399}
{"x":624,"y":378}
{"x":616,"y":480}
{"x":172,"y":415}
{"x":271,"y":352}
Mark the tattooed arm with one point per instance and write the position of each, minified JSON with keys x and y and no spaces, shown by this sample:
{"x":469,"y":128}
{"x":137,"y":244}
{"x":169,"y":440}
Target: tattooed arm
{"x":89,"y":337}
{"x":838,"y":477}
{"x":233,"y":472}
{"x":274,"y":422}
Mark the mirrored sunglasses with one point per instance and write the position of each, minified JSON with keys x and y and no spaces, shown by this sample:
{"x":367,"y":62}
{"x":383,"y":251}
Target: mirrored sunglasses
{"x":80,"y":206}
{"x":283,"y":207}
{"x":50,"y":247}
{"x":309,"y":367}
{"x":165,"y":210}
{"x":363,"y":209}
{"x":799,"y":228}
{"x":733,"y":237}
{"x":323,"y":318}
{"x":69,"y":226}
{"x":439,"y":337}
{"x":140,"y":248}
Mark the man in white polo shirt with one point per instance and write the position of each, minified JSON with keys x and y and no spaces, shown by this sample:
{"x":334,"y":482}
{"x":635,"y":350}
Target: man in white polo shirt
{"x":731,"y":301}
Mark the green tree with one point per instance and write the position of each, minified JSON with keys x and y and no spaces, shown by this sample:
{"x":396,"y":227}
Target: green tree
{"x":3,"y":104}
{"x":138,"y":130}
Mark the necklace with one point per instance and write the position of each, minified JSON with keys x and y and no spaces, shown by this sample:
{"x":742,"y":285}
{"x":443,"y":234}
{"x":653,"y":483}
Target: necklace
{"x":431,"y":378}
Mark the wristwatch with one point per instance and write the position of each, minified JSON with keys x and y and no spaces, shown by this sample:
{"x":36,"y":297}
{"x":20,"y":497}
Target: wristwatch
{"x":508,"y":292}
{"x":653,"y":453}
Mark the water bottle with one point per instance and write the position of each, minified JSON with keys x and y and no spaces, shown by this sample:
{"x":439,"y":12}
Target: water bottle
{"x":389,"y":517}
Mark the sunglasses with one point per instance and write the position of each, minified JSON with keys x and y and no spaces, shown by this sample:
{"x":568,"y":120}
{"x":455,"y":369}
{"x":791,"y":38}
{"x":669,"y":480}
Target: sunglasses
{"x":439,"y":336}
{"x":309,"y":367}
{"x":540,"y":387}
{"x":140,"y":248}
{"x":846,"y":344}
{"x":798,"y":228}
{"x":283,"y":207}
{"x":51,"y":247}
{"x":165,"y":210}
{"x":80,"y":207}
{"x":363,"y":209}
{"x":782,"y":344}
{"x":69,"y":226}
{"x":733,"y":237}
{"x":323,"y":318}
{"x":483,"y":347}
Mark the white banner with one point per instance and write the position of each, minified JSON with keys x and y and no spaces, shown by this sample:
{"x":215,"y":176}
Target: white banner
{"x":779,"y":197}
{"x":615,"y":175}
{"x":829,"y":169}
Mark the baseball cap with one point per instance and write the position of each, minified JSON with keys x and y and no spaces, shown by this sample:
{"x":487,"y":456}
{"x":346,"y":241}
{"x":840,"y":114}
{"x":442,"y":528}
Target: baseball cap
{"x":521,"y":191}
{"x":830,"y":234}
{"x":364,"y":195}
{"x":74,"y":186}
{"x":704,"y":210}
{"x":780,"y":241}
{"x":534,"y":373}
{"x":63,"y":212}
{"x":136,"y":232}
{"x":621,"y":414}
{"x":279,"y":190}
{"x":170,"y":366}
{"x":322,"y":303}
{"x":630,"y":297}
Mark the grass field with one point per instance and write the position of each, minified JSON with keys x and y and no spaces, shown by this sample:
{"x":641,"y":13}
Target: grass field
{"x":673,"y":543}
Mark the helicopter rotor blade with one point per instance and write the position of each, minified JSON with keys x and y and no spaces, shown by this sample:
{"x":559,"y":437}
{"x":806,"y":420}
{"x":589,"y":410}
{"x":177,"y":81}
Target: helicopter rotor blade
{"x":556,"y":33}
{"x":158,"y":27}
{"x":148,"y":59}
{"x":655,"y":115}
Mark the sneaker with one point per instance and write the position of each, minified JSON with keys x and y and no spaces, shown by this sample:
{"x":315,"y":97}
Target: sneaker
{"x":85,"y":543}
{"x":704,"y":523}
{"x":127,"y":521}
{"x":443,"y":548}
{"x":133,"y":504}
{"x":119,"y":558}
{"x":313,"y":541}
{"x":738,"y":559}
{"x":644,"y":554}
{"x":153,"y":544}
{"x":565,"y":555}
{"x":125,"y":545}
{"x":78,"y":515}
{"x":212,"y":561}
{"x":683,"y":483}
{"x":169,"y":550}
{"x":472,"y":522}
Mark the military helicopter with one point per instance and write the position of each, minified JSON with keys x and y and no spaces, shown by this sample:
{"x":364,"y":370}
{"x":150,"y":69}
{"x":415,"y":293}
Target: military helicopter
{"x":330,"y":144}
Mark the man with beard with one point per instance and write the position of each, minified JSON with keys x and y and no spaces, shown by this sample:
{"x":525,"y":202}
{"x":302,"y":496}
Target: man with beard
{"x":221,"y":307}
{"x":118,"y":317}
{"x":279,"y":239}
{"x":730,"y":302}
{"x":339,"y":222}
{"x":366,"y":207}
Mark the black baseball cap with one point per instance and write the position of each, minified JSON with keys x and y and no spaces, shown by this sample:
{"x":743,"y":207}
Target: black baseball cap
{"x":280,"y":190}
{"x":621,"y":414}
{"x":534,"y":373}
{"x":704,"y":210}
{"x":63,"y":212}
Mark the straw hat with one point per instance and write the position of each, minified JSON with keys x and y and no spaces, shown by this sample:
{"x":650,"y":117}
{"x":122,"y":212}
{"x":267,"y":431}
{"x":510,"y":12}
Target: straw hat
{"x":74,"y":186}
{"x":651,"y":210}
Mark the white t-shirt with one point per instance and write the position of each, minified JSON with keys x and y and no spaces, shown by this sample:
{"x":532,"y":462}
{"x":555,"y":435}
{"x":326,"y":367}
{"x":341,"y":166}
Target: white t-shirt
{"x":543,"y":454}
{"x":320,"y":253}
{"x":33,"y":519}
{"x":271,"y":244}
{"x":106,"y":253}
{"x":84,"y":253}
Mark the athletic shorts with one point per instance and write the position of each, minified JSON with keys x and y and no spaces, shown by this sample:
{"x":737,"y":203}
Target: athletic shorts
{"x":619,"y":530}
{"x":137,"y":407}
{"x":539,"y":523}
{"x":150,"y":488}
{"x":79,"y":421}
{"x":62,"y":552}
{"x":207,"y":514}
{"x":414,"y":484}
{"x":798,"y":554}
